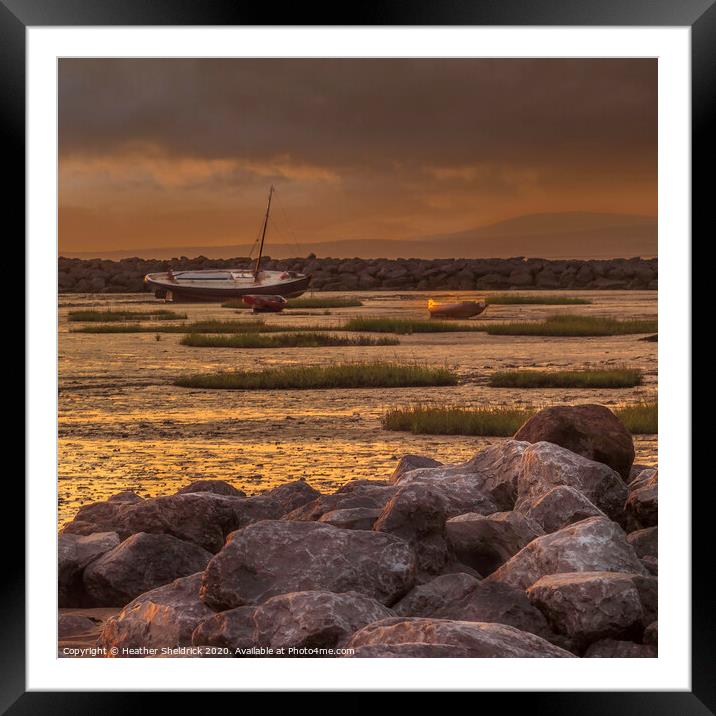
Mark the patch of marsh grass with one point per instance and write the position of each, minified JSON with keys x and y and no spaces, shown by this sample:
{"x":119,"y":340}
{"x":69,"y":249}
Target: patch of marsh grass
{"x":282,"y":340}
{"x":640,"y":418}
{"x":572,"y":325}
{"x":108,"y":316}
{"x":195,"y":327}
{"x":348,"y":375}
{"x":406,"y":326}
{"x":447,"y":420}
{"x":509,"y":299}
{"x":610,"y":378}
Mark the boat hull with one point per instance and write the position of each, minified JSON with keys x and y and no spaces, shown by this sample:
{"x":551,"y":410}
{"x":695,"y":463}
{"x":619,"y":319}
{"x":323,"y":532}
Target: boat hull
{"x":175,"y":292}
{"x":462,"y":309}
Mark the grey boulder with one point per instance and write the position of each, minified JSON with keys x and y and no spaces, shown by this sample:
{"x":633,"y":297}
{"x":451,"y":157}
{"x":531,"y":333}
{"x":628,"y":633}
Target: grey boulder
{"x":484,"y":543}
{"x":475,"y":639}
{"x":592,"y":545}
{"x":275,"y":557}
{"x":592,"y":431}
{"x":74,"y":553}
{"x":545,"y":466}
{"x":161,"y":618}
{"x":588,"y":606}
{"x":294,"y":621}
{"x":561,"y":506}
{"x":139,"y":564}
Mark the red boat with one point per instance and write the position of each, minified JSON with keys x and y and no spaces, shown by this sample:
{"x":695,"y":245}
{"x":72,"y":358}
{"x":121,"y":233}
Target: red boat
{"x":265,"y":304}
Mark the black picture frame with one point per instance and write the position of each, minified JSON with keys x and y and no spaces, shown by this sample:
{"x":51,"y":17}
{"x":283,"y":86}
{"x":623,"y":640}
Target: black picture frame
{"x":700,"y":15}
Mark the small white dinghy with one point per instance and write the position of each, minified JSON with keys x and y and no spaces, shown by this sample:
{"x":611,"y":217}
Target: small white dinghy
{"x":459,"y":309}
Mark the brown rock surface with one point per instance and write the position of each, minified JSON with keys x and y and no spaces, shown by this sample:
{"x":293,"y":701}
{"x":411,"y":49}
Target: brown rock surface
{"x":480,"y":640}
{"x":645,"y":542}
{"x":561,"y":506}
{"x":139,"y":564}
{"x":592,"y":431}
{"x":614,"y":649}
{"x":545,"y":466}
{"x":642,"y":504}
{"x":162,"y":617}
{"x":588,"y":606}
{"x":592,"y":545}
{"x":486,"y":542}
{"x":277,"y":557}
{"x":74,"y":553}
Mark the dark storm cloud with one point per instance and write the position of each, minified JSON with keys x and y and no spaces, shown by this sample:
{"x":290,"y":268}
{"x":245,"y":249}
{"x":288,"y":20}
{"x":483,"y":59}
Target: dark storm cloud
{"x":365,"y":113}
{"x":171,"y":152}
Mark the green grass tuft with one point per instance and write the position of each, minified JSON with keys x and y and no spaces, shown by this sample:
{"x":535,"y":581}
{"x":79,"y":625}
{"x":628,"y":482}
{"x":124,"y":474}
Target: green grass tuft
{"x":349,"y":375}
{"x":195,"y":327}
{"x":405,"y":326}
{"x":572,"y":325}
{"x":282,"y":340}
{"x":509,"y":299}
{"x":640,"y":419}
{"x":91,"y":316}
{"x":612,"y":378}
{"x":446,"y":420}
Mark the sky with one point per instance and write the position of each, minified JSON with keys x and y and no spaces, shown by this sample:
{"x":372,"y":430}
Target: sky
{"x":175,"y":152}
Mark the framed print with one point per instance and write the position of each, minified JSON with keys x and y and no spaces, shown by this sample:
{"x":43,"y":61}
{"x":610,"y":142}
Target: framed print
{"x":343,"y":344}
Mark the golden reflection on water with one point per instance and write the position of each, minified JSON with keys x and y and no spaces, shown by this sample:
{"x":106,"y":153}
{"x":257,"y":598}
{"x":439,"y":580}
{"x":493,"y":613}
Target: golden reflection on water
{"x":122,"y":425}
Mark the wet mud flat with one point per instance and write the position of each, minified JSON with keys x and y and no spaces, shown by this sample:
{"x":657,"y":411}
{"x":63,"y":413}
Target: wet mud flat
{"x":123,"y":425}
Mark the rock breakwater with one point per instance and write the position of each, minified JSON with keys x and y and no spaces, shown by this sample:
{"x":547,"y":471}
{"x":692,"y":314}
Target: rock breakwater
{"x":328,"y":274}
{"x":444,"y":561}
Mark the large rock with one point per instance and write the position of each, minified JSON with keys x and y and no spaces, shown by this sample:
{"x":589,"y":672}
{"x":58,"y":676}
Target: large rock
{"x":409,"y":651}
{"x":545,"y":466}
{"x":359,"y":494}
{"x":426,"y":600}
{"x":498,"y":467}
{"x":417,"y":514}
{"x":645,"y":542}
{"x":485,"y":543}
{"x":593,"y":545}
{"x":592,"y":431}
{"x":201,"y":518}
{"x":314,"y":619}
{"x":472,"y":601}
{"x":276,"y":557}
{"x":559,"y":507}
{"x":161,"y":618}
{"x":298,"y":620}
{"x":412,"y":462}
{"x":588,"y":606}
{"x":616,"y":649}
{"x":492,"y":474}
{"x":204,"y":518}
{"x":356,"y":518}
{"x":477,"y":639}
{"x":140,"y":563}
{"x":642,"y":504}
{"x":232,"y":629}
{"x":74,"y":553}
{"x":218,"y":487}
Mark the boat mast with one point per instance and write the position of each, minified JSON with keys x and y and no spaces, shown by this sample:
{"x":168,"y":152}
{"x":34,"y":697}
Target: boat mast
{"x":263,"y":234}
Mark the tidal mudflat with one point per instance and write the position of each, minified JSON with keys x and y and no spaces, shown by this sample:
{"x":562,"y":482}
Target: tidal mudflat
{"x":124,"y":425}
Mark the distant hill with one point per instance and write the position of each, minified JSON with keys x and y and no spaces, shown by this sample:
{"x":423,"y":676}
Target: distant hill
{"x":580,"y":235}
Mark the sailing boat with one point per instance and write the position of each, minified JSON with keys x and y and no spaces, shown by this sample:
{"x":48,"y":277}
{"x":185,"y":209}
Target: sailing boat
{"x":221,"y":284}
